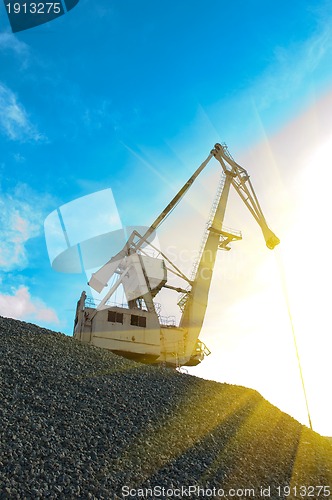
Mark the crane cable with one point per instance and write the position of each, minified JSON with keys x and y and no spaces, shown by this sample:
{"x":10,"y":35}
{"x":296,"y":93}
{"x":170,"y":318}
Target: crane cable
{"x":286,"y":297}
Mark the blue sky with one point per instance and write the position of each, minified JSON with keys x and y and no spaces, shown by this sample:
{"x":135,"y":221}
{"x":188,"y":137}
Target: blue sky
{"x":132,"y":96}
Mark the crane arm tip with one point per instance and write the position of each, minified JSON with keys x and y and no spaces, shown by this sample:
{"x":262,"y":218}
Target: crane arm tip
{"x":272,"y":242}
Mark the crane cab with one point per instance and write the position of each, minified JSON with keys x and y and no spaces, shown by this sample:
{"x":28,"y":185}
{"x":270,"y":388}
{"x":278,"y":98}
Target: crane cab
{"x":136,"y":334}
{"x":133,"y":333}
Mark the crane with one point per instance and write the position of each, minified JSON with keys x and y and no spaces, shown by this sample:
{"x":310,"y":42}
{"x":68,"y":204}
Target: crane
{"x":138,"y":331}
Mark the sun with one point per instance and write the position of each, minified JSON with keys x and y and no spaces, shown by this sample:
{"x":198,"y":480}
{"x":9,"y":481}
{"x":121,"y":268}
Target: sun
{"x":308,"y":274}
{"x":274,"y":298}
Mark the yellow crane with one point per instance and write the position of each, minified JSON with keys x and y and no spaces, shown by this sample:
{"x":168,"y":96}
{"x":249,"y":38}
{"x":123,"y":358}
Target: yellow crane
{"x":137,"y":331}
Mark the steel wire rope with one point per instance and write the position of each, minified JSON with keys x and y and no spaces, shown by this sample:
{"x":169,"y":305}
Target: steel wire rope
{"x":286,"y":297}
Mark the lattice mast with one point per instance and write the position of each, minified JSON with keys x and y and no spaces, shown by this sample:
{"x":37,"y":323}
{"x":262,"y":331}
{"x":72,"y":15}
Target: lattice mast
{"x":194,"y":303}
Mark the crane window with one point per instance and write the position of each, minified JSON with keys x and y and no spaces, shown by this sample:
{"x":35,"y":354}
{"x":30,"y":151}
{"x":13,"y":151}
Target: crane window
{"x":138,"y":320}
{"x":115,"y":317}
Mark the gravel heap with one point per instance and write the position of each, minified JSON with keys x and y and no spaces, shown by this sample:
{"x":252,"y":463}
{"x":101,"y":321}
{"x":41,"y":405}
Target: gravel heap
{"x":79,"y":422}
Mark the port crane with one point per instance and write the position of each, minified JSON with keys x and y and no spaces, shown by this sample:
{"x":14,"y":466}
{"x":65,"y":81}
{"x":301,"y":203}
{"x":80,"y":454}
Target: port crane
{"x":138,"y":331}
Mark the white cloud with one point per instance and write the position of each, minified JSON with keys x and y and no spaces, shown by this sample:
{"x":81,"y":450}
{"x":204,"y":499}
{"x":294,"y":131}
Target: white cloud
{"x":10,"y":42}
{"x":20,"y":220}
{"x":14,"y":120}
{"x":104,"y":114}
{"x":291,"y":67}
{"x":19,"y":158}
{"x":22,"y":306}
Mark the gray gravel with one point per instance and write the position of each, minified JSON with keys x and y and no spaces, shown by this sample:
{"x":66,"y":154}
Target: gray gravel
{"x":80,"y":422}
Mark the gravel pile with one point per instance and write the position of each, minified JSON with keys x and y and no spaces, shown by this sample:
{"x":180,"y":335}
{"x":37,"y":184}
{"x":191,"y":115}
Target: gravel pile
{"x":79,"y":422}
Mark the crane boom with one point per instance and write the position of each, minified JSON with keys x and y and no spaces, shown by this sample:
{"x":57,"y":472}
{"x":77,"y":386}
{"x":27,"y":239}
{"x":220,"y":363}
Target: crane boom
{"x":174,"y":201}
{"x":99,"y":280}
